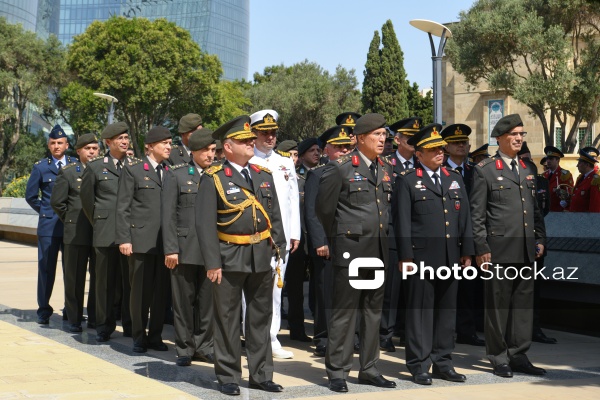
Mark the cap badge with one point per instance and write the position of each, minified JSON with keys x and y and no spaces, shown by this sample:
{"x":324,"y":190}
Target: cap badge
{"x":435,"y":133}
{"x":247,"y":127}
{"x":458,"y":131}
{"x":416,"y":124}
{"x":350,"y":120}
{"x":268,"y":119}
{"x":343,"y":133}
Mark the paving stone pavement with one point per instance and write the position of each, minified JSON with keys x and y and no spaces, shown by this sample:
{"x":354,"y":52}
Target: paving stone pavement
{"x":48,"y":362}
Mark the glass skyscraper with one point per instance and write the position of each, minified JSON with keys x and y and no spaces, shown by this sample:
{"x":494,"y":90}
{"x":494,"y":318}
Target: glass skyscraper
{"x":220,"y":27}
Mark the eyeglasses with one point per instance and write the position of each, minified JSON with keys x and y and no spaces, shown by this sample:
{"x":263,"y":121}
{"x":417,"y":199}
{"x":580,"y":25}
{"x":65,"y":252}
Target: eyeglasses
{"x":122,"y":138}
{"x":383,"y":134}
{"x":523,"y":134}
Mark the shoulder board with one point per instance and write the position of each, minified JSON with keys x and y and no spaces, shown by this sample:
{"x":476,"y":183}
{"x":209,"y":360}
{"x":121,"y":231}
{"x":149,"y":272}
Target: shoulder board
{"x":386,"y":160}
{"x":263,"y":168}
{"x":487,"y":161}
{"x":69,"y":166}
{"x":213,"y":169}
{"x":96,"y":158}
{"x":408,"y":171}
{"x":565,"y":175}
{"x":283,"y":153}
{"x":174,"y":167}
{"x":319,"y":166}
{"x":596,"y":180}
{"x":134,"y":161}
{"x":38,"y":162}
{"x":174,"y":146}
{"x":453,"y":170}
{"x":344,"y":159}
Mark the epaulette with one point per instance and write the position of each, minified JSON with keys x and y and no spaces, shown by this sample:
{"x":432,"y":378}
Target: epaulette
{"x":263,"y":168}
{"x":344,"y":159}
{"x":134,"y":161}
{"x":386,"y":160}
{"x":596,"y":180}
{"x":96,"y":158}
{"x":38,"y":162}
{"x":318,"y":166}
{"x":213,"y":169}
{"x":407,"y":171}
{"x":453,"y":170}
{"x":68,"y":166}
{"x":174,"y":146}
{"x":174,"y":167}
{"x":564,"y":175}
{"x":486,"y":161}
{"x":283,"y":153}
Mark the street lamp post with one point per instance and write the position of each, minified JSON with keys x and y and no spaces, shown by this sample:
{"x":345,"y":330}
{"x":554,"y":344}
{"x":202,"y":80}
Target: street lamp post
{"x":439,"y":30}
{"x":111,"y":110}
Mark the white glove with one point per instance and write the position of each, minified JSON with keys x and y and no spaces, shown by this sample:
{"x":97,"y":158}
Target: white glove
{"x":563,"y":203}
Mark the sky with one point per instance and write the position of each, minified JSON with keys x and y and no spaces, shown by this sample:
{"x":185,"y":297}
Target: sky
{"x":338,"y":32}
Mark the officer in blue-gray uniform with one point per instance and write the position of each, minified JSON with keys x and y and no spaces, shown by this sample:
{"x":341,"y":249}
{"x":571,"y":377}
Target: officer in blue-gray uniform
{"x":50,"y":228}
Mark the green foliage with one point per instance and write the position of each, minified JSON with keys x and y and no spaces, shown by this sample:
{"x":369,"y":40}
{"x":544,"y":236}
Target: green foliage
{"x":306,"y":97}
{"x":83,"y":111}
{"x":31,"y":148}
{"x":154,"y":68}
{"x":420,"y":106}
{"x":30,"y":69}
{"x":16,"y":188}
{"x":544,"y":53}
{"x":234,"y":102}
{"x":385,"y":87}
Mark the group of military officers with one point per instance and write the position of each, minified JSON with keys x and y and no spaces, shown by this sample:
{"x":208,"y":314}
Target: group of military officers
{"x":231,"y":230}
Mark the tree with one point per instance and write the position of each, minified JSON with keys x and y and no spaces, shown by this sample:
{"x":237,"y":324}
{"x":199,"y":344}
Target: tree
{"x":385,"y":87}
{"x":547,"y":58}
{"x":420,"y":106}
{"x":155,"y":70}
{"x":306,"y":97}
{"x":29,"y":68}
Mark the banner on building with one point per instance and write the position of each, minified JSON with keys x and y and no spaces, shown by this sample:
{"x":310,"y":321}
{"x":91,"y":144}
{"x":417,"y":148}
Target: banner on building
{"x":495,"y":112}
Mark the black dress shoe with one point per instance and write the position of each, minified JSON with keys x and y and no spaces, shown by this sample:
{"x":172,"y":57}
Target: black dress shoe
{"x":541,"y":338}
{"x":320,"y":351}
{"x":65,"y":318}
{"x":338,"y":385}
{"x":207,"y":358}
{"x":450,"y":375}
{"x":378,"y":381}
{"x":43,"y":321}
{"x":137,"y":348}
{"x":75,"y":328}
{"x":102,"y":337}
{"x":387,"y":345}
{"x":267,"y":386}
{"x":423,"y":378}
{"x":160,"y":346}
{"x":127,"y":334}
{"x":300,"y":337}
{"x":357,"y":348}
{"x":503,"y":370}
{"x":184,"y":361}
{"x":527,"y":368}
{"x":473,"y":340}
{"x":230,"y":389}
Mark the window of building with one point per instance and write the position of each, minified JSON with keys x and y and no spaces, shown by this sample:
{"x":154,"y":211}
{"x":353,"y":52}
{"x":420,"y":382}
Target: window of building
{"x":581,"y":135}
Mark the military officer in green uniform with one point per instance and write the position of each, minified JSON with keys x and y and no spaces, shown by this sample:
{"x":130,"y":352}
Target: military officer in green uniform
{"x":288,"y":148}
{"x":192,"y":291}
{"x":239,"y":229}
{"x":432,"y":226}
{"x":187,"y":125}
{"x":77,"y":237}
{"x":509,"y":231}
{"x":99,"y":185}
{"x":139,"y":238}
{"x":355,"y":193}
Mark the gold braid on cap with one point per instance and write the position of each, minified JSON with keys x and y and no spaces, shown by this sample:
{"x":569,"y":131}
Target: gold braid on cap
{"x":434,"y":140}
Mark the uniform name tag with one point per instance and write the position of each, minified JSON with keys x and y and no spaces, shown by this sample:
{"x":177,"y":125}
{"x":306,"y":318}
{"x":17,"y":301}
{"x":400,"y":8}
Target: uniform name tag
{"x":454,"y":185}
{"x":234,"y":189}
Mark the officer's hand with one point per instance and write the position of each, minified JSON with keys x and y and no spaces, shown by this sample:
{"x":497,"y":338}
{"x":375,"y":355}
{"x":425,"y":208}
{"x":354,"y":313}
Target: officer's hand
{"x":323,"y":251}
{"x":171,"y":260}
{"x":539,"y":250}
{"x":484,"y":258}
{"x":294,"y":243}
{"x":214,"y":275}
{"x":465,"y":261}
{"x":126,"y":249}
{"x":407,"y":268}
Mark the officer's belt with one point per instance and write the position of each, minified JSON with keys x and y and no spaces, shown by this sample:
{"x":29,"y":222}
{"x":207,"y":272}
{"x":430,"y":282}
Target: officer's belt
{"x":243,"y":239}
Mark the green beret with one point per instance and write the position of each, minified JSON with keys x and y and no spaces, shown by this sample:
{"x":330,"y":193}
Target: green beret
{"x":84,"y":140}
{"x":306,"y":144}
{"x":189,"y":123}
{"x":219,"y":145}
{"x":237,"y":128}
{"x":113,"y":130}
{"x":287,"y":145}
{"x":368,"y":123}
{"x":201,"y":139}
{"x":506,"y":123}
{"x":156,"y":134}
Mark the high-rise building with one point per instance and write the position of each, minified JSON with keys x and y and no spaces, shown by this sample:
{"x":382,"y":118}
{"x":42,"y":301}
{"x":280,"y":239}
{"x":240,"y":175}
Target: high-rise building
{"x":219,"y":27}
